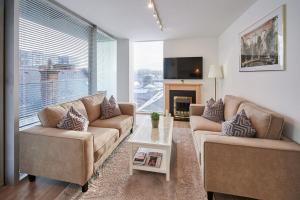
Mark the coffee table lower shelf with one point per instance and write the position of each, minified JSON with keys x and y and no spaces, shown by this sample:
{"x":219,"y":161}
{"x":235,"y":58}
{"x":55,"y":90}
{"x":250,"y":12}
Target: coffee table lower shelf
{"x":164,"y":166}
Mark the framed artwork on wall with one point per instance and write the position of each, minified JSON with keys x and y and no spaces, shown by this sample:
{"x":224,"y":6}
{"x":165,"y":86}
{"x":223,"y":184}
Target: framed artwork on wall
{"x":263,"y":44}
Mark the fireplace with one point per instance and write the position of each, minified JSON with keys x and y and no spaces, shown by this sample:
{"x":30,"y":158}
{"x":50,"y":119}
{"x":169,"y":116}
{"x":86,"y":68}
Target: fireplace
{"x":180,"y":101}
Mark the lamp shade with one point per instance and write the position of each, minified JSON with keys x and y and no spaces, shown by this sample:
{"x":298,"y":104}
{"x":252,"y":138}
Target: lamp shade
{"x":215,"y":72}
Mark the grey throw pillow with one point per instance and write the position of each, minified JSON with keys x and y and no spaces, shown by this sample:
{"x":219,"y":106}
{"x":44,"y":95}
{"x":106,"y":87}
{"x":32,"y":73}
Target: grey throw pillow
{"x":214,"y":110}
{"x":73,"y":120}
{"x":109,"y":108}
{"x":240,"y":126}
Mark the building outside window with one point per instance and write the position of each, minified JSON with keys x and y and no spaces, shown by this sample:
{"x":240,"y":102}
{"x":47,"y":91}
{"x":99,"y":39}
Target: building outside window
{"x":148,"y":76}
{"x":56,"y":49}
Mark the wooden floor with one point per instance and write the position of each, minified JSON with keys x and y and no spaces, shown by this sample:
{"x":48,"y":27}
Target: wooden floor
{"x":42,"y":188}
{"x":47,"y":189}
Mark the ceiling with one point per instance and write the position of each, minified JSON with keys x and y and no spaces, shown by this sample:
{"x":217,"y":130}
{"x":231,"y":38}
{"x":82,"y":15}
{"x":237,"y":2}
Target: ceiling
{"x":132,"y":19}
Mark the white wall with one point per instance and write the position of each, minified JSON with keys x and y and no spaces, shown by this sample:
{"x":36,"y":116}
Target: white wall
{"x":205,"y":47}
{"x":279,"y":90}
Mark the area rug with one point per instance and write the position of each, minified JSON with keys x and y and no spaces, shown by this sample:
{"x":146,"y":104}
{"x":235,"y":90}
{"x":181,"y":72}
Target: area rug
{"x":113,"y":181}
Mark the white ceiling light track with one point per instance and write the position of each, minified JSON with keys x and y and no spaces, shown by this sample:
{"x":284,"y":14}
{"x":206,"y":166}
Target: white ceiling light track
{"x":152,"y":6}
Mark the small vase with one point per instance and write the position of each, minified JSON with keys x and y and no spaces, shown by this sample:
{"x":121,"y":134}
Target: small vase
{"x":155,"y":123}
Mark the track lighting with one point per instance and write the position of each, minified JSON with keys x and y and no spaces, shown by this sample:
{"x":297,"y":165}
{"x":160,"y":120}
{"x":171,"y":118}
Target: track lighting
{"x":151,"y":5}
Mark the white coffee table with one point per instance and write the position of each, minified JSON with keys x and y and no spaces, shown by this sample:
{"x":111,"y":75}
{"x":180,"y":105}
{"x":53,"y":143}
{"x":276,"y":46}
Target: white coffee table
{"x":153,"y":139}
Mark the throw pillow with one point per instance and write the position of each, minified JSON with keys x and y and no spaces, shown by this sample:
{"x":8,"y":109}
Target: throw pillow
{"x":214,"y":110}
{"x":73,"y":120}
{"x":109,"y":108}
{"x":114,"y":103}
{"x":240,"y":126}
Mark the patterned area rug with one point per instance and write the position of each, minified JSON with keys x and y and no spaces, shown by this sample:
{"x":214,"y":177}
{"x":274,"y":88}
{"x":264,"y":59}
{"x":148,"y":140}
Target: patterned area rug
{"x":114,"y":181}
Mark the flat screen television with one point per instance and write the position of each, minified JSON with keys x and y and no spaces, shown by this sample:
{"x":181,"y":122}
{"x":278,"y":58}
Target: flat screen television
{"x":183,"y":68}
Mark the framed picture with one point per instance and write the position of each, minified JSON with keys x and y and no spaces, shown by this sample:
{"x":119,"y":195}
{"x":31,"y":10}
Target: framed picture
{"x":263,"y":44}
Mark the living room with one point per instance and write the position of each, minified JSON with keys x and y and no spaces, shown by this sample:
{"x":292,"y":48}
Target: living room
{"x":149,"y":99}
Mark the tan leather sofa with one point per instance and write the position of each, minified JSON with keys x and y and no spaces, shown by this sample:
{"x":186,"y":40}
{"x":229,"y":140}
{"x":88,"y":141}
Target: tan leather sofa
{"x":264,"y":167}
{"x":73,"y":156}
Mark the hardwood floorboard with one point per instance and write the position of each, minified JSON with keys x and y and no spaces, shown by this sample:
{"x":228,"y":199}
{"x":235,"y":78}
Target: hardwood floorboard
{"x":42,"y":188}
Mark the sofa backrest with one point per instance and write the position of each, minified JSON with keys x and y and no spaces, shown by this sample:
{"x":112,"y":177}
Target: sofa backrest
{"x":231,"y":106}
{"x":88,"y":106}
{"x":92,"y":106}
{"x":78,"y":105}
{"x":51,"y":115}
{"x":268,"y":124}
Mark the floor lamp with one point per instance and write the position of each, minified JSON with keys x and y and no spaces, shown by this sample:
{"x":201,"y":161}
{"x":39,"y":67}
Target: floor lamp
{"x":215,"y":72}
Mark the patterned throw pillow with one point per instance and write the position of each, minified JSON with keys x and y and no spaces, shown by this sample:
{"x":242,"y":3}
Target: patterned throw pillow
{"x":73,"y":120}
{"x":114,"y":103}
{"x":109,"y":108}
{"x":214,"y":110}
{"x":240,"y":126}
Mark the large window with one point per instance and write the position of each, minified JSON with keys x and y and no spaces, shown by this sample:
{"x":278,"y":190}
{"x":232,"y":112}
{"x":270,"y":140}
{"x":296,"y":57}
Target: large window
{"x":56,"y":52}
{"x":148,"y":76}
{"x":106,"y":64}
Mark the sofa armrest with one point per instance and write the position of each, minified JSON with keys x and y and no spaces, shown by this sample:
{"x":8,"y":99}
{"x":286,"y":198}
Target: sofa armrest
{"x":251,"y":167}
{"x":196,"y":109}
{"x":128,"y":109}
{"x":57,"y":153}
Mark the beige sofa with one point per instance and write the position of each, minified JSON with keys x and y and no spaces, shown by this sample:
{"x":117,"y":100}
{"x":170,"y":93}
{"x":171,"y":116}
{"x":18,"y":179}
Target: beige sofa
{"x":73,"y":156}
{"x":265,"y":167}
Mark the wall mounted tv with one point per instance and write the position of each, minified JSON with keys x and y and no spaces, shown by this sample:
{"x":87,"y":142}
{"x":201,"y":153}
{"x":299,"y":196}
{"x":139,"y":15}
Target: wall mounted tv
{"x":183,"y":68}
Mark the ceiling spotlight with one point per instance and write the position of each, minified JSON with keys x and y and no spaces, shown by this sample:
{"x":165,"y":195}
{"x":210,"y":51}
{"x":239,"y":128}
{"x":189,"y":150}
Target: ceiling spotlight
{"x":150,"y":4}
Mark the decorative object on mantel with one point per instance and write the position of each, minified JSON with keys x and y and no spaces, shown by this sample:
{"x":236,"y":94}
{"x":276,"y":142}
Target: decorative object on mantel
{"x":263,"y":44}
{"x":215,"y":72}
{"x":154,"y":119}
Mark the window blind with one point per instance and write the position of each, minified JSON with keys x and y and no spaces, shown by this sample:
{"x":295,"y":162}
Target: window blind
{"x":54,"y":57}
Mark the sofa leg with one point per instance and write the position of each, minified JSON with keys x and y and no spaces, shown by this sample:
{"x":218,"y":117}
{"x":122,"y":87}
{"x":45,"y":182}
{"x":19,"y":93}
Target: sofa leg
{"x":210,"y":195}
{"x":131,"y":131}
{"x":31,"y":178}
{"x":85,"y":187}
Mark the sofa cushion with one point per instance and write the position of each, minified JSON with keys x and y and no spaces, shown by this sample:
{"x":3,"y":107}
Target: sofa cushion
{"x":122,"y":122}
{"x":51,"y":115}
{"x":200,"y":123}
{"x":92,"y":106}
{"x":231,"y":106}
{"x":197,"y":135}
{"x":239,"y":126}
{"x":78,"y":105}
{"x":104,"y":138}
{"x":267,"y":124}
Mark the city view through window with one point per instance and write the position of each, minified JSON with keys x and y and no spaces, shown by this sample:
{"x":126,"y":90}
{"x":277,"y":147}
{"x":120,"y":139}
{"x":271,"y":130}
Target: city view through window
{"x":50,"y":73}
{"x":55,"y":52}
{"x":148,"y":76}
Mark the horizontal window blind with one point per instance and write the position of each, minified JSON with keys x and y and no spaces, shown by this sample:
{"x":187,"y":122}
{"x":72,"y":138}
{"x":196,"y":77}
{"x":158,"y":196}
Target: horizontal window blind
{"x":54,"y":58}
